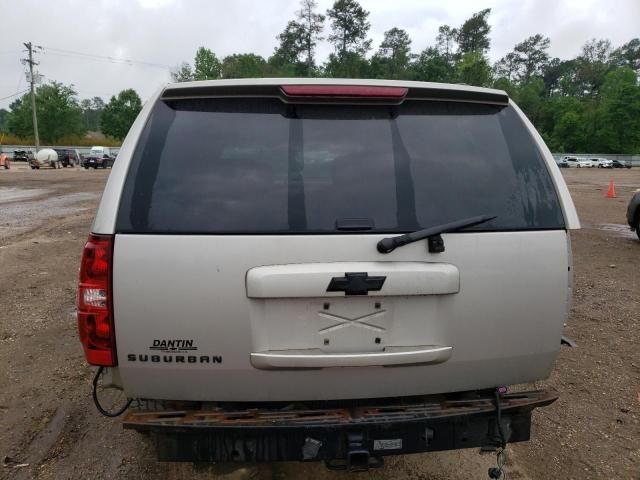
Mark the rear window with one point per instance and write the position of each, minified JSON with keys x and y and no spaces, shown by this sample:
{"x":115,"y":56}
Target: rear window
{"x":223,"y":166}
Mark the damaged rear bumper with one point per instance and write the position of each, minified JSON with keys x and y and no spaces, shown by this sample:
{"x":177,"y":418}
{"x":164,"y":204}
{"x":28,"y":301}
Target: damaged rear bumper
{"x":353,"y":435}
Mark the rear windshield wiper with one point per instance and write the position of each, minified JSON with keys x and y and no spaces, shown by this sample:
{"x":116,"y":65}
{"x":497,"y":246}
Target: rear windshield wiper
{"x":389,"y":244}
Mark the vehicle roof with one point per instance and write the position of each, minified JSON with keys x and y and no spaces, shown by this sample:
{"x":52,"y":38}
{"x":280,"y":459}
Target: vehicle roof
{"x":244,"y":85}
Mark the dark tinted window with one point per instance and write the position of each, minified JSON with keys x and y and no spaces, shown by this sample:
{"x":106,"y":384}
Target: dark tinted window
{"x":259,"y":165}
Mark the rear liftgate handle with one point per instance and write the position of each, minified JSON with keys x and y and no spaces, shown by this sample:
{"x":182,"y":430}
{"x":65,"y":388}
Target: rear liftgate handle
{"x":392,"y":356}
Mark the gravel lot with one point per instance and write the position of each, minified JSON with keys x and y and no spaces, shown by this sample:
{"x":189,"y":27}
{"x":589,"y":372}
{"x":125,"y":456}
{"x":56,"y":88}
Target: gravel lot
{"x":48,"y":423}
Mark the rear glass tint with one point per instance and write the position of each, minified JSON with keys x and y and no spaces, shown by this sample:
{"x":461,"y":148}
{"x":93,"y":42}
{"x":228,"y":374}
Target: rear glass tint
{"x":262,"y":166}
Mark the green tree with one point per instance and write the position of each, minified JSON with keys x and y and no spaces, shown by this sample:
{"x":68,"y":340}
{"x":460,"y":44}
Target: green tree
{"x":244,"y":65}
{"x":59,"y":113}
{"x":437,"y":64}
{"x":503,"y":83}
{"x":432,"y":65}
{"x":392,"y":59}
{"x":532,"y":56}
{"x":348,"y":65}
{"x":277,"y":67}
{"x":290,"y":48}
{"x":119,"y":114}
{"x":567,"y":82}
{"x":91,"y":112}
{"x":507,"y":67}
{"x":628,"y":55}
{"x":312,"y":24}
{"x":446,"y":41}
{"x":528,"y":58}
{"x":182,"y":73}
{"x":4,"y":117}
{"x":473,"y":35}
{"x":349,"y":28}
{"x":620,"y":111}
{"x":569,"y":132}
{"x":554,"y":72}
{"x":473,"y":69}
{"x":552,"y":109}
{"x":295,"y":53}
{"x":206,"y":65}
{"x":592,"y":66}
{"x":530,"y":97}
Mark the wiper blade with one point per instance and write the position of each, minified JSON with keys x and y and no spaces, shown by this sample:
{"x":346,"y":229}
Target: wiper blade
{"x":389,"y":244}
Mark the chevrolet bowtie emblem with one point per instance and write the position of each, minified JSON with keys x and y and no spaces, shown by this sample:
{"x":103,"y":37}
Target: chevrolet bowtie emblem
{"x":356,"y":283}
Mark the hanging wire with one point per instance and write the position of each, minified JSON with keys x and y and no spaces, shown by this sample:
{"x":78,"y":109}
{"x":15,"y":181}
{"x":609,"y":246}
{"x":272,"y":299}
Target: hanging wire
{"x":104,"y":58}
{"x":14,"y":94}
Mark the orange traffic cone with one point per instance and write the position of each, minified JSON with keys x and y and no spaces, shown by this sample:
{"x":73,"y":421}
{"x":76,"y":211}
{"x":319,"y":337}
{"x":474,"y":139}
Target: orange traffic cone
{"x":611,"y":193}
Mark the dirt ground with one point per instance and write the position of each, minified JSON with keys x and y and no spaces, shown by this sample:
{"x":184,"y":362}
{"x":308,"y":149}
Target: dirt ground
{"x":49,"y":427}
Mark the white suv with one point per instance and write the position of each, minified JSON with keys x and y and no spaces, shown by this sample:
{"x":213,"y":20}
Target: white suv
{"x":602,"y":162}
{"x":579,"y":162}
{"x":315,"y":269}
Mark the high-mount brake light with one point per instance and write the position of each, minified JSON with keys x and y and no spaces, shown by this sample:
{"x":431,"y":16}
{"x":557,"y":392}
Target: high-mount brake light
{"x":345,"y":91}
{"x":95,"y":302}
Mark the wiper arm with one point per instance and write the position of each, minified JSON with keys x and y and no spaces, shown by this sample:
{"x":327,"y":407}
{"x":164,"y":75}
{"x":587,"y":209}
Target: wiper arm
{"x":389,"y":244}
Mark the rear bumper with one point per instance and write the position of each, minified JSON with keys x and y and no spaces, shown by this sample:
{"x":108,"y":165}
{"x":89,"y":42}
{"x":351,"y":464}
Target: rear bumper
{"x":351,"y":435}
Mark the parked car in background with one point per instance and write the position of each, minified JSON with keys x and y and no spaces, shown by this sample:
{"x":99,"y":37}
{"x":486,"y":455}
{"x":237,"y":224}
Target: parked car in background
{"x":562,"y":162}
{"x":602,"y":162}
{"x":633,"y":213}
{"x":620,"y":164}
{"x":100,"y":151}
{"x":579,"y":162}
{"x":99,"y":157}
{"x":69,"y":157}
{"x":22,"y":155}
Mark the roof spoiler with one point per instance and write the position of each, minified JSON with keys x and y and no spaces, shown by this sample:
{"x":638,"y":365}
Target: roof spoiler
{"x":284,"y":92}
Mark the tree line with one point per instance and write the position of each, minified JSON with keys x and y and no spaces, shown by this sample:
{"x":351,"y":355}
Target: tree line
{"x":590,"y":103}
{"x":64,"y":118}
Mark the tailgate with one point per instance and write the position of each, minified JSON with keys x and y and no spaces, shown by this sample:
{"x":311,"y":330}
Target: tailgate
{"x":194,"y":322}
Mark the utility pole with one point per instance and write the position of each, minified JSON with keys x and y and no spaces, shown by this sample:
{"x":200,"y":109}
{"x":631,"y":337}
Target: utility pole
{"x":32,"y":80}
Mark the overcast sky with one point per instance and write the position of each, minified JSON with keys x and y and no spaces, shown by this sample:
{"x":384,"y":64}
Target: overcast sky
{"x":166,"y":32}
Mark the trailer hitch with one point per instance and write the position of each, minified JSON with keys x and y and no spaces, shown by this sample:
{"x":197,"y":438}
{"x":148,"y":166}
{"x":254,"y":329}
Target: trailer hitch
{"x":358,"y":457}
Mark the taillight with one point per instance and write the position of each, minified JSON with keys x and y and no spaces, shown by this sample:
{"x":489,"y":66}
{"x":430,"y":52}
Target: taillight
{"x":352,"y":91}
{"x":95,"y":301}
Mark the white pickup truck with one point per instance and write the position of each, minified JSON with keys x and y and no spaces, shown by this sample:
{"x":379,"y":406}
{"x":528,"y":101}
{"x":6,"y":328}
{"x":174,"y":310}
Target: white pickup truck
{"x":337,"y":270}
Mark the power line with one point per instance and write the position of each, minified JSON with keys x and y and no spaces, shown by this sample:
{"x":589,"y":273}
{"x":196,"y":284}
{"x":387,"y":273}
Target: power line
{"x":92,"y":59}
{"x":15,"y":94}
{"x":91,"y":56}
